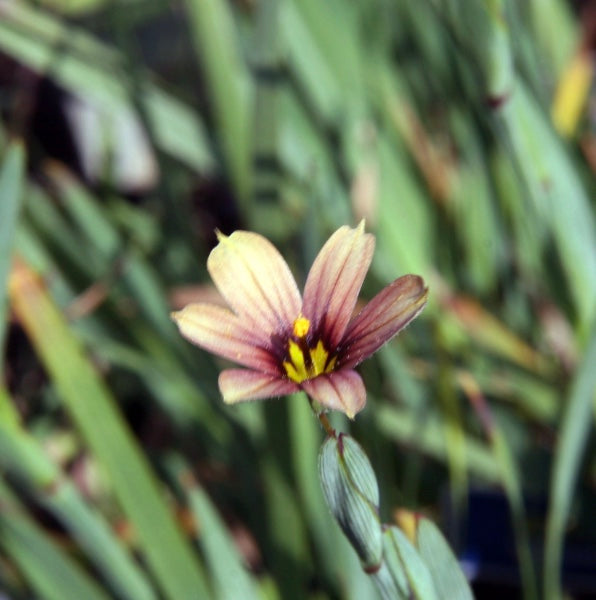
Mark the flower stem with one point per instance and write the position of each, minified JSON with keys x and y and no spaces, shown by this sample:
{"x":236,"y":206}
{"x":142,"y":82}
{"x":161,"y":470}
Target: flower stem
{"x":326,"y":425}
{"x":322,"y":417}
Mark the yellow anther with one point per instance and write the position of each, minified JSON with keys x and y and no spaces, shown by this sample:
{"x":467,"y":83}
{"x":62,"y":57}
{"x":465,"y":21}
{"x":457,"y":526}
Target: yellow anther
{"x":300,"y":367}
{"x":296,"y":367}
{"x":331,"y":365}
{"x":301,"y":326}
{"x":318,"y":356}
{"x":291,"y":372}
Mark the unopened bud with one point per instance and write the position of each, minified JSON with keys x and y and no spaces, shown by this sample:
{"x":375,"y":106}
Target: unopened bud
{"x":352,"y":494}
{"x":410,"y":572}
{"x":408,"y":523}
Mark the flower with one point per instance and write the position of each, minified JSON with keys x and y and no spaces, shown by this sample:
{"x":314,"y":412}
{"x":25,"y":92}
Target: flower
{"x":288,"y":343}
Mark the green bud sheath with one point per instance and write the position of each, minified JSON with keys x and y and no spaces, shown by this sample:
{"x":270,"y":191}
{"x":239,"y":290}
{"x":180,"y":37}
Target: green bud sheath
{"x":352,"y":494}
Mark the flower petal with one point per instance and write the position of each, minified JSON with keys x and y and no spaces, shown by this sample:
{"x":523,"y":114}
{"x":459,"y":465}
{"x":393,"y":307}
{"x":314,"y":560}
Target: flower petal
{"x":341,"y":390}
{"x":335,"y":280}
{"x":240,"y":385}
{"x":382,"y":318}
{"x":220,"y":331}
{"x":255,"y":281}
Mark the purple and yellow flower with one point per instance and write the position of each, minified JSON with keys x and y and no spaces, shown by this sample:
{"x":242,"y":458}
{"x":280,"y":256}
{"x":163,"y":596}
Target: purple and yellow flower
{"x":287,"y":343}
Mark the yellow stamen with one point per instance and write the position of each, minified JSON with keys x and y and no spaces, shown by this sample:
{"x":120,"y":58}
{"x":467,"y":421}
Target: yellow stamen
{"x":305,"y":362}
{"x":318,"y":356}
{"x":298,"y":368}
{"x":331,"y":365}
{"x":301,"y":326}
{"x":291,"y":372}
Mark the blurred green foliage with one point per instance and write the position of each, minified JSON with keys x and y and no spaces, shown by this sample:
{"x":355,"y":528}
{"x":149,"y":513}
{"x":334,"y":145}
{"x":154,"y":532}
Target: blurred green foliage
{"x":123,"y":474}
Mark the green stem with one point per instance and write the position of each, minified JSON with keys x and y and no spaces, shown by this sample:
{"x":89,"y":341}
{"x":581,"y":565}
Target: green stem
{"x":322,"y":417}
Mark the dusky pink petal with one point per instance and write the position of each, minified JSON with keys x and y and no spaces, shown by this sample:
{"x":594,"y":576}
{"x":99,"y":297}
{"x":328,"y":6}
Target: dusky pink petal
{"x":382,"y":318}
{"x":221,"y":332}
{"x":241,"y":385}
{"x":255,"y":280}
{"x":341,"y":390}
{"x":335,"y":279}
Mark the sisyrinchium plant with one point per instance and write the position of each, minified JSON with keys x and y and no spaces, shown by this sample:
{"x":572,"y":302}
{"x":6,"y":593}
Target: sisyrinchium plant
{"x":461,"y":130}
{"x":289,"y":343}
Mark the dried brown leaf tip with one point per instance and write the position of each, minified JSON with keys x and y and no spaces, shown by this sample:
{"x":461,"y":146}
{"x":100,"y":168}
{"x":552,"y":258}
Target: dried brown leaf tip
{"x":287,"y":342}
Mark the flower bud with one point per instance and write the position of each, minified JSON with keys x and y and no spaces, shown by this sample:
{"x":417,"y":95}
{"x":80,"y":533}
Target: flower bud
{"x":408,"y":523}
{"x":352,"y":494}
{"x":409,"y":571}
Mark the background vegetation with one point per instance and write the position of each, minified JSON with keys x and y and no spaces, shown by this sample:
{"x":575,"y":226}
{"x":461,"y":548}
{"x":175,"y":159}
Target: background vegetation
{"x":462,"y":130}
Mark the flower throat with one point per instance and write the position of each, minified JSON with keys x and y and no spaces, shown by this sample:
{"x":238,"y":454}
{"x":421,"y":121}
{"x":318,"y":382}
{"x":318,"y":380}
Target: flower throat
{"x":304,"y":361}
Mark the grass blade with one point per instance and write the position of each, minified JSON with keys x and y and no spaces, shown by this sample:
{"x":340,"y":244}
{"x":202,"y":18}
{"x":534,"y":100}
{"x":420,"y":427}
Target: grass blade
{"x":212,"y":28}
{"x":92,"y":408}
{"x":231,"y":577}
{"x":49,"y":570}
{"x":24,"y":458}
{"x":570,"y":447}
{"x":11,"y":189}
{"x":90,"y":69}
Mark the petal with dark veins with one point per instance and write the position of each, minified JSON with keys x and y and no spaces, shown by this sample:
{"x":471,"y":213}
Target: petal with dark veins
{"x":382,"y":318}
{"x":241,"y":385}
{"x":335,"y":279}
{"x":221,"y":332}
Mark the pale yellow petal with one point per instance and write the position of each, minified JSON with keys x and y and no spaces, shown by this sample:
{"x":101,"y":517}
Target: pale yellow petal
{"x":255,"y":281}
{"x":218,"y":330}
{"x":241,"y":385}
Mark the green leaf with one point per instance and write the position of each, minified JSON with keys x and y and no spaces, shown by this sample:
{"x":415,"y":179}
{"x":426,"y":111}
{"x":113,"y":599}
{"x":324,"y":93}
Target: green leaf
{"x":25,"y":459}
{"x":93,"y":409}
{"x":231,"y":578}
{"x":92,"y":70}
{"x":49,"y":570}
{"x":11,"y":190}
{"x":426,"y":435}
{"x":213,"y":32}
{"x":559,"y":195}
{"x":577,"y":420}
